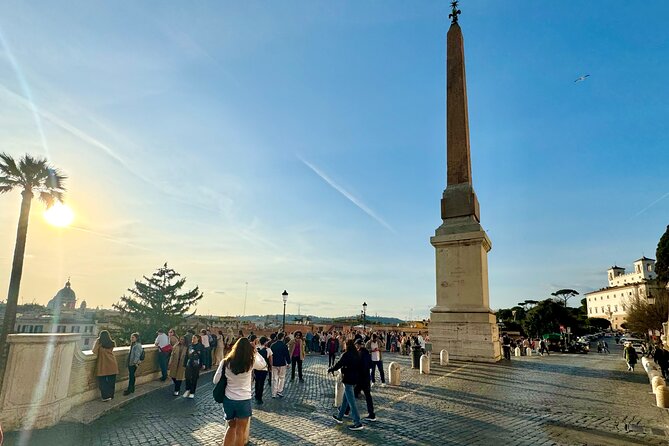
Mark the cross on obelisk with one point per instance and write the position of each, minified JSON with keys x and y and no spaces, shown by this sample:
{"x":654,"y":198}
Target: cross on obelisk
{"x":461,"y":322}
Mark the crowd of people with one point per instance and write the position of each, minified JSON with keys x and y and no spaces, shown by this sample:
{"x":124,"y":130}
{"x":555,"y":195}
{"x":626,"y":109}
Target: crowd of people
{"x":249,"y":363}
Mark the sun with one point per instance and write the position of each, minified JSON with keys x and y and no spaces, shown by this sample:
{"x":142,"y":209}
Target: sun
{"x":59,"y":215}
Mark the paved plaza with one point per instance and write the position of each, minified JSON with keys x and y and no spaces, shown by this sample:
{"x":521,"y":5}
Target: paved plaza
{"x":561,"y":399}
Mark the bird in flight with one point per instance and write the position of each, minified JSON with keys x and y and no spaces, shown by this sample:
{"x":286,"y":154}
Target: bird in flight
{"x":582,"y":78}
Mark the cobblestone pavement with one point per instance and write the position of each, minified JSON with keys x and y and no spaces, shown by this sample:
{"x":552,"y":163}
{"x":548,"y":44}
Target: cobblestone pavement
{"x":556,"y":400}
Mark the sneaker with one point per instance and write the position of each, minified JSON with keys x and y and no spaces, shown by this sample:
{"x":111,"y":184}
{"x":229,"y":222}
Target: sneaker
{"x":356,"y":427}
{"x":273,"y":397}
{"x":176,"y":393}
{"x":337,"y":419}
{"x":301,"y":380}
{"x":186,"y":393}
{"x":280,"y":395}
{"x":191,"y":396}
{"x":104,"y":400}
{"x":373,"y":419}
{"x":372,"y":385}
{"x":383,"y":384}
{"x":126,"y":392}
{"x":259,"y":402}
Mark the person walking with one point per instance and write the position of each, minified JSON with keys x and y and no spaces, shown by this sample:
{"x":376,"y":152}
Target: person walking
{"x":280,"y":360}
{"x":219,"y":350}
{"x":605,"y":347}
{"x":106,"y":367}
{"x":237,"y":367}
{"x":351,"y":368}
{"x":374,"y":347}
{"x":177,"y":364}
{"x":261,"y":375}
{"x":543,"y":348}
{"x":630,"y":356}
{"x":297,"y":350}
{"x":134,"y":358}
{"x":332,"y":350}
{"x":164,"y":350}
{"x":363,"y":381}
{"x":193,"y":364}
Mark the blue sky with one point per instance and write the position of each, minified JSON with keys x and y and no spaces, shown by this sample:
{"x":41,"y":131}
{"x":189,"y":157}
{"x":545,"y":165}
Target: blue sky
{"x":301,"y":145}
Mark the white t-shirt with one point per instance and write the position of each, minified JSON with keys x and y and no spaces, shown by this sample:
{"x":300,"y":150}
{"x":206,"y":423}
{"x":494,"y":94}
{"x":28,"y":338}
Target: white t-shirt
{"x":205,"y":340}
{"x":162,"y":340}
{"x":376,"y":356}
{"x":239,"y":386}
{"x":269,"y":356}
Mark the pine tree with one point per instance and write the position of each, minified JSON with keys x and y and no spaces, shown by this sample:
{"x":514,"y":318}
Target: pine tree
{"x":155,"y":303}
{"x":662,"y":258}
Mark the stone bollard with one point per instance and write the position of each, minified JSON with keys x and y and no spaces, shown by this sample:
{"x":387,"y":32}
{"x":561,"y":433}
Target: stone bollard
{"x":424,"y":365}
{"x":339,"y":390}
{"x":516,"y":352}
{"x":656,"y":382}
{"x":443,"y":357}
{"x":528,"y":351}
{"x":662,"y":397}
{"x":394,"y":373}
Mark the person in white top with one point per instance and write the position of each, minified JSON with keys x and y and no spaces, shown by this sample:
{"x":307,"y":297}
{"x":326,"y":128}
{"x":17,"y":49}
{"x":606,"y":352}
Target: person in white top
{"x":239,"y":364}
{"x":374,"y":346}
{"x":162,"y":342}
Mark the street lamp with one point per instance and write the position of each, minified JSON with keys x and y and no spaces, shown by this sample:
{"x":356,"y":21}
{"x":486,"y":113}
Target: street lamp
{"x":285,"y":299}
{"x":364,"y":315}
{"x":609,"y":313}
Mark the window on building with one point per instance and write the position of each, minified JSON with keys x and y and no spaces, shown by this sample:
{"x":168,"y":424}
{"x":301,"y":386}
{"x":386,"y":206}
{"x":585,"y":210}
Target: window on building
{"x":590,"y":310}
{"x":86,"y":341}
{"x":61,"y":329}
{"x":638,"y":269}
{"x":39,"y":328}
{"x":623,"y":307}
{"x":615,"y":307}
{"x":595,"y":309}
{"x":650,"y":267}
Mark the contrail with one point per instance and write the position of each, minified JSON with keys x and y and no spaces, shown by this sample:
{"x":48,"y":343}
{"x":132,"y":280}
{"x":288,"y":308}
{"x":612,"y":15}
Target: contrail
{"x":652,"y":204}
{"x":30,"y":103}
{"x":346,"y":194}
{"x":109,"y":238}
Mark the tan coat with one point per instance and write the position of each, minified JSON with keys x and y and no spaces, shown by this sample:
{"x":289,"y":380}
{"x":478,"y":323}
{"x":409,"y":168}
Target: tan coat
{"x":106,"y":364}
{"x":303,"y":349}
{"x":177,"y":369}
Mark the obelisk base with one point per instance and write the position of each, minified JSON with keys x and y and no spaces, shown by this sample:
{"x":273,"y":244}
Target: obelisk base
{"x":461,"y":322}
{"x":466,"y":336}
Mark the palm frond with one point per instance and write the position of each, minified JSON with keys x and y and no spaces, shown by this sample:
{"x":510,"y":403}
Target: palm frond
{"x":8,"y":166}
{"x":47,"y":198}
{"x":4,"y":189}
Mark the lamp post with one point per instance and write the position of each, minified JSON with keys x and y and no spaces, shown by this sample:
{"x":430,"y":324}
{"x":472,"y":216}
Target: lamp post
{"x":609,"y":313}
{"x":284,"y":295}
{"x":364,"y":316}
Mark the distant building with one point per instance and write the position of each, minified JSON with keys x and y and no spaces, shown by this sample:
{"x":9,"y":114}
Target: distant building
{"x":61,"y":317}
{"x":613,"y":301}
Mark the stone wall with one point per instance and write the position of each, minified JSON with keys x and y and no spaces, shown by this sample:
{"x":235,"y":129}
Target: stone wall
{"x":47,"y":375}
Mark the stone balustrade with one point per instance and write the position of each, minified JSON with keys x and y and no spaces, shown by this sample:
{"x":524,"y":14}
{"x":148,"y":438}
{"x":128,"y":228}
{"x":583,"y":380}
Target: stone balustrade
{"x":47,"y":375}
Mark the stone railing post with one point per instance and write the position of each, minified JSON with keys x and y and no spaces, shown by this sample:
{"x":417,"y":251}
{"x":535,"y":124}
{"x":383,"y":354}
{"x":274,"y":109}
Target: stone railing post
{"x":339,"y":390}
{"x":37,"y":380}
{"x":424,"y":365}
{"x":394,"y":373}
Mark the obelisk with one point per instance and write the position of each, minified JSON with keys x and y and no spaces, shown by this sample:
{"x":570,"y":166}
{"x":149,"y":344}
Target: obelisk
{"x":461,"y":322}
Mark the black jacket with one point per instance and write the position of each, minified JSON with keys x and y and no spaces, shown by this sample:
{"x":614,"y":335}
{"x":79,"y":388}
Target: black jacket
{"x":351,"y":367}
{"x":365,"y":366}
{"x":280,"y":355}
{"x":194,"y":355}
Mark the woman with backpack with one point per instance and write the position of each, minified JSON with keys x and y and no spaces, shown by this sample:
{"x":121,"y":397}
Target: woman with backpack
{"x":177,"y":365}
{"x":193,"y":362}
{"x":236,"y":368}
{"x":261,"y":375}
{"x":134,"y":358}
{"x":106,"y":367}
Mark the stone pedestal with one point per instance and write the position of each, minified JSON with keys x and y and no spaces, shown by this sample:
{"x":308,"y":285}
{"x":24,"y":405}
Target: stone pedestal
{"x":462,"y":322}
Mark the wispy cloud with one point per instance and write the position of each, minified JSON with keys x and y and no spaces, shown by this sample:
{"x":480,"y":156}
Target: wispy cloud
{"x":347,"y":194}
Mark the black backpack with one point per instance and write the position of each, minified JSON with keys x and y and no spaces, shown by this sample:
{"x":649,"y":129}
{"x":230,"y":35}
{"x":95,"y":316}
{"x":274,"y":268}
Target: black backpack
{"x":213,"y":341}
{"x":142,"y":355}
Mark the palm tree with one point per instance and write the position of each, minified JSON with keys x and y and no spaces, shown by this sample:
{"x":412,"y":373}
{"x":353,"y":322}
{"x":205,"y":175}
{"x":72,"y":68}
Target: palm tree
{"x":31,"y":176}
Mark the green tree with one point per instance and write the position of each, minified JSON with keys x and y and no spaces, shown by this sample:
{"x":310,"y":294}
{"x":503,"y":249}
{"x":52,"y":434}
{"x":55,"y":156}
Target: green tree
{"x":565,"y":295}
{"x":156,"y":302}
{"x":546,"y":317}
{"x":662,"y":258}
{"x":32,"y":176}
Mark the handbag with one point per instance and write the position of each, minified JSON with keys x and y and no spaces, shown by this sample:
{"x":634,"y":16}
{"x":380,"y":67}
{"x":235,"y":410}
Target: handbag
{"x":167,"y":349}
{"x":219,"y":388}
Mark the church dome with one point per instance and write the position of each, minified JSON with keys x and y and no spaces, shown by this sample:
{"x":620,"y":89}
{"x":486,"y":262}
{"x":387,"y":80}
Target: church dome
{"x":66,"y":297}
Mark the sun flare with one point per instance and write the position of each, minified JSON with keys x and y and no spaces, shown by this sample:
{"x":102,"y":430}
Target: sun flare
{"x":59,"y":215}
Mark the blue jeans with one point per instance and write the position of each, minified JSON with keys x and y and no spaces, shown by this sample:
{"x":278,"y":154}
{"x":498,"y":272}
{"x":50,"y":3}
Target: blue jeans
{"x":349,"y":401}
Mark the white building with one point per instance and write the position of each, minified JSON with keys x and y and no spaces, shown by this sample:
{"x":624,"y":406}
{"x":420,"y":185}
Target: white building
{"x":612,"y":301}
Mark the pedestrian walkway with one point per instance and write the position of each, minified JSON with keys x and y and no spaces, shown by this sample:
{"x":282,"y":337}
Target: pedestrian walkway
{"x":559,"y":399}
